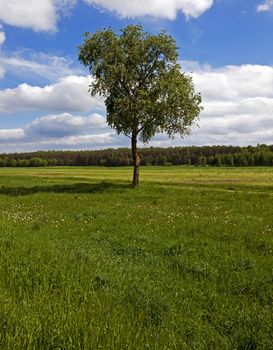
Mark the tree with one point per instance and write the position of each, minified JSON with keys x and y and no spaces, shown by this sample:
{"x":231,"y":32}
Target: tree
{"x":37,"y":162}
{"x":144,"y":89}
{"x":23,"y":163}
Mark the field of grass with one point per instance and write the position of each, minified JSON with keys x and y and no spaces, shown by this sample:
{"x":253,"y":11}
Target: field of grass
{"x":183,"y":262}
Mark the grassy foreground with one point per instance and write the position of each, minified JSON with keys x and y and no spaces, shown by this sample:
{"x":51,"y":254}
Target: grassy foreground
{"x":183,"y":262}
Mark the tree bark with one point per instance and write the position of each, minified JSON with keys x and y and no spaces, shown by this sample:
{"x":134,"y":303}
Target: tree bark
{"x":136,"y":161}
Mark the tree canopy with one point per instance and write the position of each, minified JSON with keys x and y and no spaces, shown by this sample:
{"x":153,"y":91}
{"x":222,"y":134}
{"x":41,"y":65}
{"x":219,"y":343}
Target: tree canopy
{"x":144,"y":88}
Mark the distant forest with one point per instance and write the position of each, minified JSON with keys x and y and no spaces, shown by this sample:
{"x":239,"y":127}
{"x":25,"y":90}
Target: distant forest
{"x":260,"y":155}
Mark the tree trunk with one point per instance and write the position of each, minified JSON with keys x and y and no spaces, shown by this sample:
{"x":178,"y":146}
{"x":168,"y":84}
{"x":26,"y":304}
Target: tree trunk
{"x":136,"y":161}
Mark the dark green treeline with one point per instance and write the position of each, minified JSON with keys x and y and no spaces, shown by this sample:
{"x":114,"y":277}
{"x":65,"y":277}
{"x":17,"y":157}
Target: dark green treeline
{"x":260,"y":155}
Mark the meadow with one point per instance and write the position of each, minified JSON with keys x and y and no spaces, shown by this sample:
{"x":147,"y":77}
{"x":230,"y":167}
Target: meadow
{"x":185,"y":261}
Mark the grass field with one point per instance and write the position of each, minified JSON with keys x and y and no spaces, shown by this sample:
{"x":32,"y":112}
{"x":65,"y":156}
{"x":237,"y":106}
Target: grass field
{"x":183,"y":262}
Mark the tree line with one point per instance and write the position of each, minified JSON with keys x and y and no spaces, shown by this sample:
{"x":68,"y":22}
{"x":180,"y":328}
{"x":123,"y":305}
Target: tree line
{"x":260,"y":155}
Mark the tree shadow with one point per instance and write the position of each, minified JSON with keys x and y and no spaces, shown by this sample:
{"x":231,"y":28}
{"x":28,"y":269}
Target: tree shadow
{"x":65,"y":188}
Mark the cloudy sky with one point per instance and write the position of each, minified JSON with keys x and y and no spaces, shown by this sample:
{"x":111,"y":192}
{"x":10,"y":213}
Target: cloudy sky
{"x":226,"y":45}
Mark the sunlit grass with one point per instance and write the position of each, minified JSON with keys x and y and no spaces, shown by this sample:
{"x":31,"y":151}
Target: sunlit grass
{"x":183,"y":262}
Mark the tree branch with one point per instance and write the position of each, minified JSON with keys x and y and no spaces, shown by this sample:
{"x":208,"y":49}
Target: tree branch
{"x":130,"y":137}
{"x":145,"y":124}
{"x":149,"y":72}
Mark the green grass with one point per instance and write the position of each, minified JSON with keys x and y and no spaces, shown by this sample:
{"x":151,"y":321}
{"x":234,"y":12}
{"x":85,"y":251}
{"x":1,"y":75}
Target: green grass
{"x":183,"y":262}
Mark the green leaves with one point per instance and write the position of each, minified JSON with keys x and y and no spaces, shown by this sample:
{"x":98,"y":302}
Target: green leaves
{"x":138,"y":74}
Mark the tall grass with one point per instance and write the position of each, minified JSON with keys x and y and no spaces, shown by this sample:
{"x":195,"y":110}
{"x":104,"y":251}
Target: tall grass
{"x":183,"y":262}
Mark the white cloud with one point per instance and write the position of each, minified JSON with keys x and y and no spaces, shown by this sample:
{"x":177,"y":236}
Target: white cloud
{"x":238,"y":102}
{"x":235,"y":82}
{"x":2,"y":37}
{"x":2,"y":40}
{"x":77,"y":142}
{"x":38,"y":15}
{"x":58,"y":131}
{"x":60,"y":125}
{"x":2,"y":72}
{"x":265,"y":6}
{"x":69,"y":94}
{"x":28,"y":63}
{"x":11,"y":134}
{"x":94,"y":140}
{"x":155,"y":8}
{"x":43,"y":15}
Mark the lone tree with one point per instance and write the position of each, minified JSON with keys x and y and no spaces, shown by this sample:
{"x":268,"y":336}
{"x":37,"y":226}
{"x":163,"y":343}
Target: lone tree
{"x":144,"y":89}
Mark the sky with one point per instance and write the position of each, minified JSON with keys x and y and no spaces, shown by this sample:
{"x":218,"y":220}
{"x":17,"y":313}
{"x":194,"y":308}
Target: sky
{"x":225,"y":45}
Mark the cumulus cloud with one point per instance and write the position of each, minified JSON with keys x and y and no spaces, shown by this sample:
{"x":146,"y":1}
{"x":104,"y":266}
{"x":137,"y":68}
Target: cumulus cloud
{"x":2,"y":40}
{"x":68,"y":94}
{"x":47,"y":67}
{"x":43,"y":15}
{"x":37,"y":15}
{"x":265,"y":6}
{"x":238,"y":104}
{"x":2,"y":72}
{"x":237,"y":100}
{"x":58,"y":131}
{"x":2,"y":37}
{"x":155,"y":8}
{"x":94,"y":141}
{"x":235,"y":82}
{"x":63,"y":125}
{"x":11,"y":134}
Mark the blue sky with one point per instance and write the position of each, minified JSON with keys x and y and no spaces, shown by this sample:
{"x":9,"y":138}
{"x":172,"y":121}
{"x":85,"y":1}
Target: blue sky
{"x":226,"y":45}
